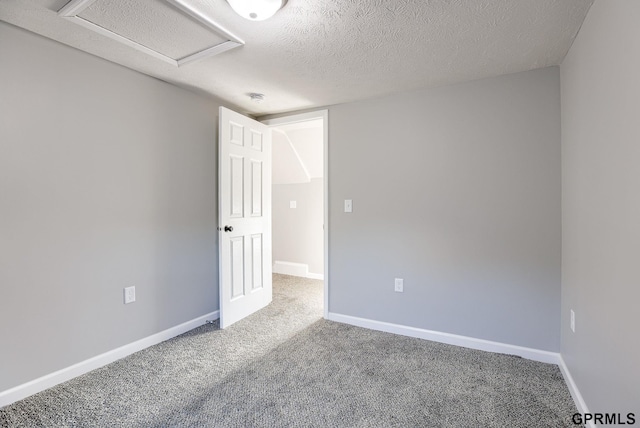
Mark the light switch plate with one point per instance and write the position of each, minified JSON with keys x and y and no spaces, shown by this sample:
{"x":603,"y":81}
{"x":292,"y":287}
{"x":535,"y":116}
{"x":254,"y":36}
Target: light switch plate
{"x":573,"y":321}
{"x":129,"y":295}
{"x":348,"y":205}
{"x":293,"y":204}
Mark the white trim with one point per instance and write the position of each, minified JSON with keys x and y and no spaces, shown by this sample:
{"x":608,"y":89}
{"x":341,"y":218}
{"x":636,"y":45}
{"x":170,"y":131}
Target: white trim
{"x":474,"y":343}
{"x":212,"y":51}
{"x":74,"y":7}
{"x":291,"y":268}
{"x":296,"y":118}
{"x":118,"y":38}
{"x":303,"y":117}
{"x":71,"y":10}
{"x":574,"y":391}
{"x":52,"y":379}
{"x":325,"y":136}
{"x":295,"y":269}
{"x":451,"y":339}
{"x":214,"y":26}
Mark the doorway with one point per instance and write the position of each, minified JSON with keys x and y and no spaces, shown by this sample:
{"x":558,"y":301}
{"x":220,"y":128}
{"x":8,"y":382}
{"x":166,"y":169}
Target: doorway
{"x":300,"y":196}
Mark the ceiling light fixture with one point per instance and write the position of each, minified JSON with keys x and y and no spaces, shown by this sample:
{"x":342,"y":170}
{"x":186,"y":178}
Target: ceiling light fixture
{"x":257,"y":98}
{"x":256,"y":10}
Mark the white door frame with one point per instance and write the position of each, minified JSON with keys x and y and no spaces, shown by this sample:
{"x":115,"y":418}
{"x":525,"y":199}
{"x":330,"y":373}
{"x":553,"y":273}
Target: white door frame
{"x":303,"y":117}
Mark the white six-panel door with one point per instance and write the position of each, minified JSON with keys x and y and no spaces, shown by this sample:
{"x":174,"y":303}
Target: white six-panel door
{"x":244,"y":215}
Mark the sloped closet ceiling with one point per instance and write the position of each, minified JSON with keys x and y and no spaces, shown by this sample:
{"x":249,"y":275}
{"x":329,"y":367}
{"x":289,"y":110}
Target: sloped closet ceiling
{"x":315,"y":53}
{"x":298,"y":152}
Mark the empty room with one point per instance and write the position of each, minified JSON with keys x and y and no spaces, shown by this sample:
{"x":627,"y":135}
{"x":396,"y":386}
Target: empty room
{"x":285,"y":213}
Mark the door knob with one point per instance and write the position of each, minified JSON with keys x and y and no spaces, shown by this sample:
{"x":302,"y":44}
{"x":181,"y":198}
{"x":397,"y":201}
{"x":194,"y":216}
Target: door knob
{"x":228,"y":228}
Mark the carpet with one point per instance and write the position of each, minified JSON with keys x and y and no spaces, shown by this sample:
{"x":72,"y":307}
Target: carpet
{"x":285,"y":366}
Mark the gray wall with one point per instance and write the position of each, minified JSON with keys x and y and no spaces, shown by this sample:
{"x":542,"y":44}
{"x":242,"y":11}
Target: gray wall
{"x":456,"y":190}
{"x":601,"y":207}
{"x":107,"y":179}
{"x":297,"y":233}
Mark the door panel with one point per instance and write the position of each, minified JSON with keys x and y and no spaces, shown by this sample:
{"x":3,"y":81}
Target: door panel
{"x":237,"y":267}
{"x":245,"y":216}
{"x":236,"y":181}
{"x":257,"y":258}
{"x":256,"y":188}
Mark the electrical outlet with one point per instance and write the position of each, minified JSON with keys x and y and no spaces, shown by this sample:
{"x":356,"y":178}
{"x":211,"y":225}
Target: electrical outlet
{"x":129,"y":295}
{"x":573,"y":321}
{"x":399,"y":285}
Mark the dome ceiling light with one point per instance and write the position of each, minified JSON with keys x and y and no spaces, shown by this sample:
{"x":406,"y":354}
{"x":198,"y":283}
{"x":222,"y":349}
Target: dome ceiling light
{"x":256,"y":10}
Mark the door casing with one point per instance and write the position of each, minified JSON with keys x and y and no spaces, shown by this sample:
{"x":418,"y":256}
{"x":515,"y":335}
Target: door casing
{"x":303,"y":117}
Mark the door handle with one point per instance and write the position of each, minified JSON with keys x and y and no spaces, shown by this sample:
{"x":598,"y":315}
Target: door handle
{"x":228,"y":228}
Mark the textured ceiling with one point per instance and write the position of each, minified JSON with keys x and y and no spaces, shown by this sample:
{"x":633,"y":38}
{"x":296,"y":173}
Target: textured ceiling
{"x":315,"y":53}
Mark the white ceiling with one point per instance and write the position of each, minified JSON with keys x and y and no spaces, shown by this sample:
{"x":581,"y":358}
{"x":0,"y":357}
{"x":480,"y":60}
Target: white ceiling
{"x":298,"y":152}
{"x":316,"y":53}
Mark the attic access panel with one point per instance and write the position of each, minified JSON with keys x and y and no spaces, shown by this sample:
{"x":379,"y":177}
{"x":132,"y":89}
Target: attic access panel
{"x":169,"y":30}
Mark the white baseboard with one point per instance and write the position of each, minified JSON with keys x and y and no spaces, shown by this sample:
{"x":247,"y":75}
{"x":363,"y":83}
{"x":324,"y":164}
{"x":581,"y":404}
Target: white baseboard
{"x":473,"y":343}
{"x":40,"y":384}
{"x":290,"y":268}
{"x":451,"y":339}
{"x":37,"y":385}
{"x":295,"y":269}
{"x":575,"y":392}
